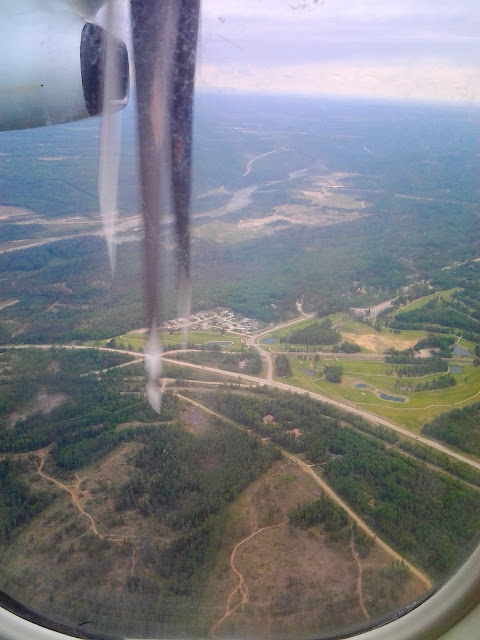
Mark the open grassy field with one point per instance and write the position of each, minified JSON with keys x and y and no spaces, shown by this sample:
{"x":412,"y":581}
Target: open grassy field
{"x":467,"y":344}
{"x":169,"y":340}
{"x":417,"y":407}
{"x":416,"y":304}
{"x":351,"y":330}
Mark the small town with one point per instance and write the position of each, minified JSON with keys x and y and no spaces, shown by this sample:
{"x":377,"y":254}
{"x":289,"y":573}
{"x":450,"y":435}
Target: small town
{"x":220,"y":317}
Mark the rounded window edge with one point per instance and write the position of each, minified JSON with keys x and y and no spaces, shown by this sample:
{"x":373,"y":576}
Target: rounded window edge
{"x":429,"y":620}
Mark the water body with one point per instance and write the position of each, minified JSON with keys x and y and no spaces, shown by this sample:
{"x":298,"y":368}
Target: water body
{"x":240,"y":199}
{"x":460,"y":351}
{"x":220,"y":343}
{"x":362,"y":385}
{"x":270,"y":340}
{"x":385,"y":396}
{"x":455,"y":369}
{"x":308,"y":372}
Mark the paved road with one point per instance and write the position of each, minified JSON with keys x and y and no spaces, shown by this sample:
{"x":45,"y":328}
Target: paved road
{"x":266,"y":354}
{"x":345,"y":407}
{"x":283,"y":387}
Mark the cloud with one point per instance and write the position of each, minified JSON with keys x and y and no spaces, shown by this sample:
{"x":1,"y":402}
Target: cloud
{"x":413,"y":82}
{"x":347,"y":46}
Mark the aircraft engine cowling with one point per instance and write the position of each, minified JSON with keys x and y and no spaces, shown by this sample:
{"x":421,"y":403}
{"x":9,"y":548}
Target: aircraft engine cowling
{"x":51,"y":68}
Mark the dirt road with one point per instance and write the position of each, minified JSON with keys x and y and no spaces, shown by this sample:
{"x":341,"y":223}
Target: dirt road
{"x":331,"y":493}
{"x":241,"y":587}
{"x":283,"y":387}
{"x":359,"y":579}
{"x":345,"y":407}
{"x":42,"y":454}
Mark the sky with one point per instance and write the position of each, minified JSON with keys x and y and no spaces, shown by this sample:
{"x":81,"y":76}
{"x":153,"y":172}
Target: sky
{"x":413,"y":49}
{"x":409,"y":49}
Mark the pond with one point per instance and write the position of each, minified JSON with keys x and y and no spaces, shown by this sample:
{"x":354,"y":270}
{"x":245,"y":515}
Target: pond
{"x":270,"y":340}
{"x":362,"y":385}
{"x":457,"y":350}
{"x":308,"y":372}
{"x":385,"y":396}
{"x":455,"y":369}
{"x":219,"y":343}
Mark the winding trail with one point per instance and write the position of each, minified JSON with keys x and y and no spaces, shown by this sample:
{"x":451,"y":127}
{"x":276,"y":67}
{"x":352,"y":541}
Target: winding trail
{"x":42,"y":454}
{"x":241,"y":587}
{"x":262,"y":155}
{"x":331,"y":494}
{"x":73,"y":491}
{"x":266,"y":354}
{"x":359,"y":579}
{"x":334,"y":496}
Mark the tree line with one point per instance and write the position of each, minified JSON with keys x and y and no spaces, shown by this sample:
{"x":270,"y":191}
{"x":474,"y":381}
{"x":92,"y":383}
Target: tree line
{"x":430,"y":518}
{"x":459,"y":428}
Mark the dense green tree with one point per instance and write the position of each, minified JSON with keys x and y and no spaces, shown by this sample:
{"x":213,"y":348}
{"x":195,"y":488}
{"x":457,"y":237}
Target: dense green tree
{"x":282,"y":366}
{"x":333,"y":372}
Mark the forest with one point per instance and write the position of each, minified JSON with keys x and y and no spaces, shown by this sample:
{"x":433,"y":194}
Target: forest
{"x":346,"y":347}
{"x":248,"y":277}
{"x":439,"y":382}
{"x":83,"y":427}
{"x":18,"y":504}
{"x":459,"y":469}
{"x":247,"y":361}
{"x":317,"y":333}
{"x":333,"y":372}
{"x":430,"y":518}
{"x":282,"y":366}
{"x":459,"y":428}
{"x":323,"y":511}
{"x":420,"y":223}
{"x":439,"y":313}
{"x":186,"y":483}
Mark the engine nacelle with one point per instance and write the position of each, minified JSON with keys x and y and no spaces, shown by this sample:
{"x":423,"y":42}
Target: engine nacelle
{"x":51,"y":68}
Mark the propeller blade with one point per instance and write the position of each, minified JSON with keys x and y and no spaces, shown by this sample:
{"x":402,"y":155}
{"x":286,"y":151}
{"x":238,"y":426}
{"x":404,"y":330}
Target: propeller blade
{"x":181,"y":120}
{"x":110,"y":135}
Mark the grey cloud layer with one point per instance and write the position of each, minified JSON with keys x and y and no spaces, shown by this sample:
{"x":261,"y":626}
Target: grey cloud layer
{"x":274,"y":33}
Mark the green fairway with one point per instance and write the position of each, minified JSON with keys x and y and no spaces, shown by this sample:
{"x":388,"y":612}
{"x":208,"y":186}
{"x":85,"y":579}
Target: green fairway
{"x":171,"y":340}
{"x":351,"y":330}
{"x":416,"y":304}
{"x":417,"y":408}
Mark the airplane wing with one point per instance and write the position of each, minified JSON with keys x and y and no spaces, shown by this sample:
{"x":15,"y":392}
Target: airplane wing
{"x":52,"y":64}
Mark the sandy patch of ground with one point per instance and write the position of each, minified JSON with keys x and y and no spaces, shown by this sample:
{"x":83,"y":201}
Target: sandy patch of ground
{"x":423,"y":353}
{"x":195,"y":420}
{"x":7,"y":303}
{"x":330,"y":191}
{"x":294,"y":579}
{"x":214,"y":192}
{"x":7,"y":213}
{"x":298,"y":214}
{"x":258,"y":223}
{"x":42,"y":403}
{"x":378,"y":342}
{"x":291,"y":582}
{"x":46,"y":402}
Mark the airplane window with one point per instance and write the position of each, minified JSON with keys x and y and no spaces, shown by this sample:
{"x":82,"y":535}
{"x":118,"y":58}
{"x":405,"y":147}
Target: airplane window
{"x":240,"y":353}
